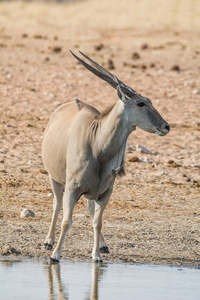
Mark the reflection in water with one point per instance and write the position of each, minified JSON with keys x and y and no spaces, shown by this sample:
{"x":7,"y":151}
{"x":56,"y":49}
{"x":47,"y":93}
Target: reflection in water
{"x":82,"y":280}
{"x":58,"y":290}
{"x":54,"y":275}
{"x":97,"y":272}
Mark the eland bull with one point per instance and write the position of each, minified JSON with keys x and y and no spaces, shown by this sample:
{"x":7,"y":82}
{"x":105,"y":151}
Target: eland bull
{"x":83,"y":152}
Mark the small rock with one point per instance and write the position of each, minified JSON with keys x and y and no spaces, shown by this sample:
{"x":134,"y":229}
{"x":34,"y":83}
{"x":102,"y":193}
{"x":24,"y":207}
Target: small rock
{"x":57,"y":49}
{"x":26,"y":213}
{"x":128,"y":146}
{"x":144,"y":46}
{"x":143,"y":149}
{"x":99,"y":47}
{"x":133,"y":159}
{"x":32,"y":89}
{"x":143,"y":67}
{"x":57,"y":103}
{"x":7,"y":250}
{"x":135,"y":55}
{"x":173,"y":164}
{"x":111,"y":64}
{"x":51,"y":95}
{"x":175,"y":68}
{"x":160,"y":71}
{"x":196,"y":183}
{"x":152,"y":65}
{"x":18,"y":194}
{"x":37,"y":36}
{"x":196,"y":92}
{"x":42,"y":171}
{"x":189,"y":83}
{"x":145,"y":160}
{"x":170,"y":95}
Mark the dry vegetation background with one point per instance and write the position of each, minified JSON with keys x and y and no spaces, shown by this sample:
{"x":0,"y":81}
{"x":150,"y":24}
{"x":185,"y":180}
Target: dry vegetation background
{"x":153,"y":46}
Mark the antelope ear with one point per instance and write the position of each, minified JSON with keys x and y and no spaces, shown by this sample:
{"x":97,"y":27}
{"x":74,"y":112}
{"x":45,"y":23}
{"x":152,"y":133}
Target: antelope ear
{"x":121,"y":95}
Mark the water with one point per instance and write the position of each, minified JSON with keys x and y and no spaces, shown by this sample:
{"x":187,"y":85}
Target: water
{"x":83,"y":280}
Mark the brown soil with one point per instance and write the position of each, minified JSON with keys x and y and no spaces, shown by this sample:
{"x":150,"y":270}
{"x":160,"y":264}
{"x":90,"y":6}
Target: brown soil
{"x":154,"y":212}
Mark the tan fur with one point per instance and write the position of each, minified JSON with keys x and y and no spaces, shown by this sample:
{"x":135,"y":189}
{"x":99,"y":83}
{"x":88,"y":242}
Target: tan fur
{"x":83,"y":150}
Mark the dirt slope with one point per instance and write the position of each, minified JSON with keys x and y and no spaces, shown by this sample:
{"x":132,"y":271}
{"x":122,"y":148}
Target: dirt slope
{"x":154,"y":212}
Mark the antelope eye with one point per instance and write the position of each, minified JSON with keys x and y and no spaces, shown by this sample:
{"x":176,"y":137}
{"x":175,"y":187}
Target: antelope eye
{"x":140,"y":104}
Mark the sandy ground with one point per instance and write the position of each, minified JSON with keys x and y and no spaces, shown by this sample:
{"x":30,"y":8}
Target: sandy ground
{"x":154,"y":46}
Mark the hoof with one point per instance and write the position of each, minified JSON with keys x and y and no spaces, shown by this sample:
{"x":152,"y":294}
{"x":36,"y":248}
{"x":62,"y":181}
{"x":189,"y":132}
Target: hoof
{"x":53,"y":261}
{"x":47,"y":246}
{"x":104,"y":250}
{"x":97,"y":259}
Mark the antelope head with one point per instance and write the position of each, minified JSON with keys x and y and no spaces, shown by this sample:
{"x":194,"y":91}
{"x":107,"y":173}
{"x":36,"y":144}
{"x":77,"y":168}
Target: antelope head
{"x":139,"y":110}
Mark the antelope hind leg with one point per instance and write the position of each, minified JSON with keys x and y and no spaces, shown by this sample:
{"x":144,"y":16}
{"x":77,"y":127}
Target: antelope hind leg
{"x":57,"y":203}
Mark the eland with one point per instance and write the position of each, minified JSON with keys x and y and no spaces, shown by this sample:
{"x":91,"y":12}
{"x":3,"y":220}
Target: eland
{"x":83,"y":152}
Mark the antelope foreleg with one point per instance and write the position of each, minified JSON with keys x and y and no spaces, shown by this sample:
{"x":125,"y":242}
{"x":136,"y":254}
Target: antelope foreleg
{"x":99,"y":207}
{"x":103,"y":248}
{"x":69,"y":200}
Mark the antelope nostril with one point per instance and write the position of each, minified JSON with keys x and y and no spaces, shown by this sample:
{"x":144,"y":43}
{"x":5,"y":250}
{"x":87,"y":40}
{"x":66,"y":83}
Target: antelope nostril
{"x":167,"y":127}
